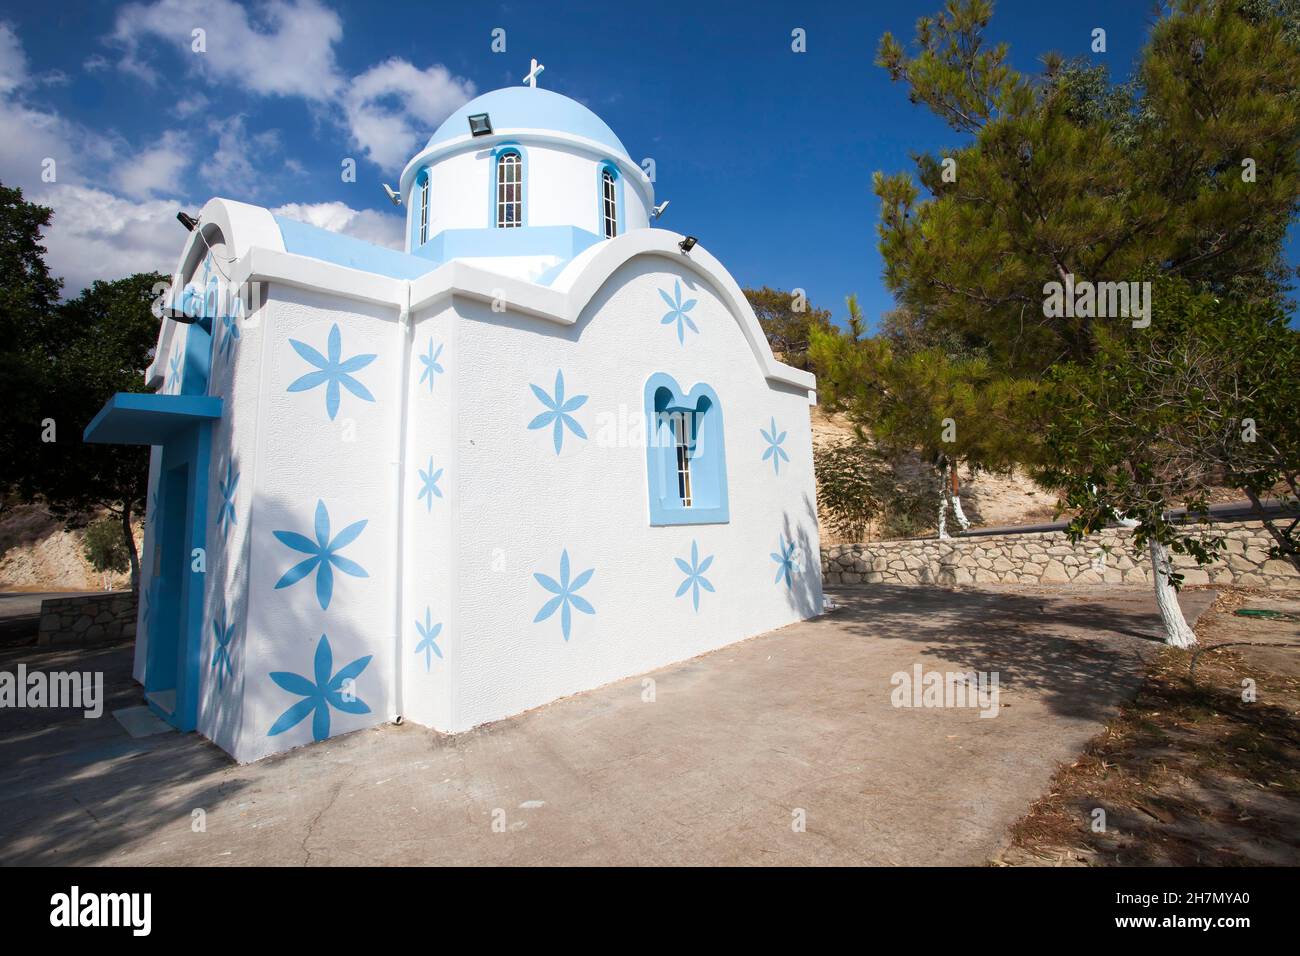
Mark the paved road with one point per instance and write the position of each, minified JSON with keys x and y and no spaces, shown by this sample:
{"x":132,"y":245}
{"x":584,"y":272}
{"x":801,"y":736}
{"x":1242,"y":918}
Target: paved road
{"x":1223,"y":512}
{"x":28,"y":603}
{"x":715,"y":770}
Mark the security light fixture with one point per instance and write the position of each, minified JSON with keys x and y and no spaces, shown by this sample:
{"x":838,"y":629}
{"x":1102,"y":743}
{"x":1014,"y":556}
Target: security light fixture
{"x":687,"y":244}
{"x":186,"y":220}
{"x":659,"y":209}
{"x":480,"y":124}
{"x":393,"y":197}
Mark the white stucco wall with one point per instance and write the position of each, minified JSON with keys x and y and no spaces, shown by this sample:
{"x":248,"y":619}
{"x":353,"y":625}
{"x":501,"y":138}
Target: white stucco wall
{"x":519,"y":504}
{"x":561,"y":188}
{"x":303,"y":457}
{"x":235,"y":377}
{"x":432,"y":544}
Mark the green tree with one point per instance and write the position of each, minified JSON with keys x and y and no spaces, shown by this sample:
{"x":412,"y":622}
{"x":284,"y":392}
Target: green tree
{"x":28,"y":296}
{"x":107,"y":340}
{"x":1206,"y":395}
{"x":104,"y":547}
{"x":787,"y":319}
{"x":1189,"y":170}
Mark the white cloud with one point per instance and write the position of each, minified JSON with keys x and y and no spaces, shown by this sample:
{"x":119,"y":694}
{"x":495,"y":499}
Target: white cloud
{"x":286,"y":48}
{"x":97,"y":235}
{"x":383,"y":229}
{"x":13,"y":61}
{"x":281,"y":48}
{"x":193,"y":104}
{"x":389,"y":136}
{"x":156,"y":169}
{"x":231,"y":169}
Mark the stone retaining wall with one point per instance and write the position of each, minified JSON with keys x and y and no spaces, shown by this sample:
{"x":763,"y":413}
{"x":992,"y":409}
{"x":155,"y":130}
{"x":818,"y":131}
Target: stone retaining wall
{"x":1050,"y":558}
{"x":91,"y":617}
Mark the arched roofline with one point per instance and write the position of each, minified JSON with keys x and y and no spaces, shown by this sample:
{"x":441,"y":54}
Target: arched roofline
{"x":568,"y":296}
{"x":562,"y":302}
{"x":241,"y":227}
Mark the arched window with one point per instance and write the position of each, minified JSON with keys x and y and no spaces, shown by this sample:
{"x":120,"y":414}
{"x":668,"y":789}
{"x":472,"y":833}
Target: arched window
{"x":510,"y":190}
{"x":609,"y":203}
{"x":686,"y":455}
{"x":424,"y":207}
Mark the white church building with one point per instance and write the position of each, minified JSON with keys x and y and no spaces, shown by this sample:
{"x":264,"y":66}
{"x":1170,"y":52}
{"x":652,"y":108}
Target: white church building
{"x":544,"y":448}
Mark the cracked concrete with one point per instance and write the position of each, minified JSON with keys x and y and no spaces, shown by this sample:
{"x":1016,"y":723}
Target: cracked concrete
{"x":714,"y":770}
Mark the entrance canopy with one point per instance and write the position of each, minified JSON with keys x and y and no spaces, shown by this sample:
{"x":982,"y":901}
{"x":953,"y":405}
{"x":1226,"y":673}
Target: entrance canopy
{"x":145,"y":418}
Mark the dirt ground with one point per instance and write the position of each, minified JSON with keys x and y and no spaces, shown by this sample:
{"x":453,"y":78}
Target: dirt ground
{"x":1189,"y":773}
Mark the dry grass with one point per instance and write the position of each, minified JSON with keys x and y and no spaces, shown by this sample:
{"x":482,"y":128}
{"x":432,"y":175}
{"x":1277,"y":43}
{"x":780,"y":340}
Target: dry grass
{"x":1189,"y":773}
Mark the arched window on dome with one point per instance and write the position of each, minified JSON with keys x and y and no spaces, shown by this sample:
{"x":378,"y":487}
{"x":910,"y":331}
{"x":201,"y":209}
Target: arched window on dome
{"x":608,"y":203}
{"x":510,"y":189}
{"x":423,"y":184}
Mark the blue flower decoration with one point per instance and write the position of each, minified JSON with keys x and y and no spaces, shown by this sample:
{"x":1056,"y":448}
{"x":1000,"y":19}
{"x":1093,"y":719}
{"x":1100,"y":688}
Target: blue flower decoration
{"x":223,"y":633}
{"x":231,"y":335}
{"x":174,"y":375}
{"x":677,"y":310}
{"x":332,"y":371}
{"x":226,"y":513}
{"x":565,"y":597}
{"x":774,"y":449}
{"x":429,"y":485}
{"x":324,"y":555}
{"x":428,"y":634}
{"x":431,"y":367}
{"x":694,"y":572}
{"x":319,"y":695}
{"x":558,"y":410}
{"x":784,"y":561}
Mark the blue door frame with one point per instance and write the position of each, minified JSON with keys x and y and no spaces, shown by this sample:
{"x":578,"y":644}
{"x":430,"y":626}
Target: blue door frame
{"x":181,"y":425}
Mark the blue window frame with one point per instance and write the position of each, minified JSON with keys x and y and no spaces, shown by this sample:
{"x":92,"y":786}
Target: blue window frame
{"x":508,"y":187}
{"x":422,"y":185}
{"x":609,"y":189}
{"x":686,"y":454}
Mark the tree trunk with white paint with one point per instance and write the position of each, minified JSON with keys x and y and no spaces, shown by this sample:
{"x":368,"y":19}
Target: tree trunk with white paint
{"x":962,"y":520}
{"x":1177,"y":631}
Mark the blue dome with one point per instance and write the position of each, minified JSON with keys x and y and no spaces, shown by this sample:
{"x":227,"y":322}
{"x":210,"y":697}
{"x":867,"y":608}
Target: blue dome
{"x":522,"y":107}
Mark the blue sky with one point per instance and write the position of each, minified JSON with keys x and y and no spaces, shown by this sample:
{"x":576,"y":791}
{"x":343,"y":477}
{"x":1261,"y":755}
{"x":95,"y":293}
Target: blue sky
{"x":765,"y":154}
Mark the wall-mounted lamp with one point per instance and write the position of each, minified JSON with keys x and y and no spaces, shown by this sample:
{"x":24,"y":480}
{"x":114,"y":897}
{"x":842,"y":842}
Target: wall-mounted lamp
{"x":687,"y":244}
{"x":186,"y":220}
{"x":480,"y":124}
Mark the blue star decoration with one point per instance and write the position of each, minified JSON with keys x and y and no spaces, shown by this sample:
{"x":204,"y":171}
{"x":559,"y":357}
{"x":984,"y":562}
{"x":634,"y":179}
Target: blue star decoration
{"x":677,"y":310}
{"x":222,"y":632}
{"x":319,"y":695}
{"x":784,"y":561}
{"x":174,"y":375}
{"x":431,"y":367}
{"x":429,"y":485}
{"x":332,"y":371}
{"x":428,"y":634}
{"x":694,"y":572}
{"x":231,"y":334}
{"x":558,"y":411}
{"x":226,"y":513}
{"x":324,"y":555}
{"x":565,"y":596}
{"x":774,"y":449}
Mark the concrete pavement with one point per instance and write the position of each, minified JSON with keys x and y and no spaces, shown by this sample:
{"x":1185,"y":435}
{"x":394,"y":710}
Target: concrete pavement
{"x":714,"y":767}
